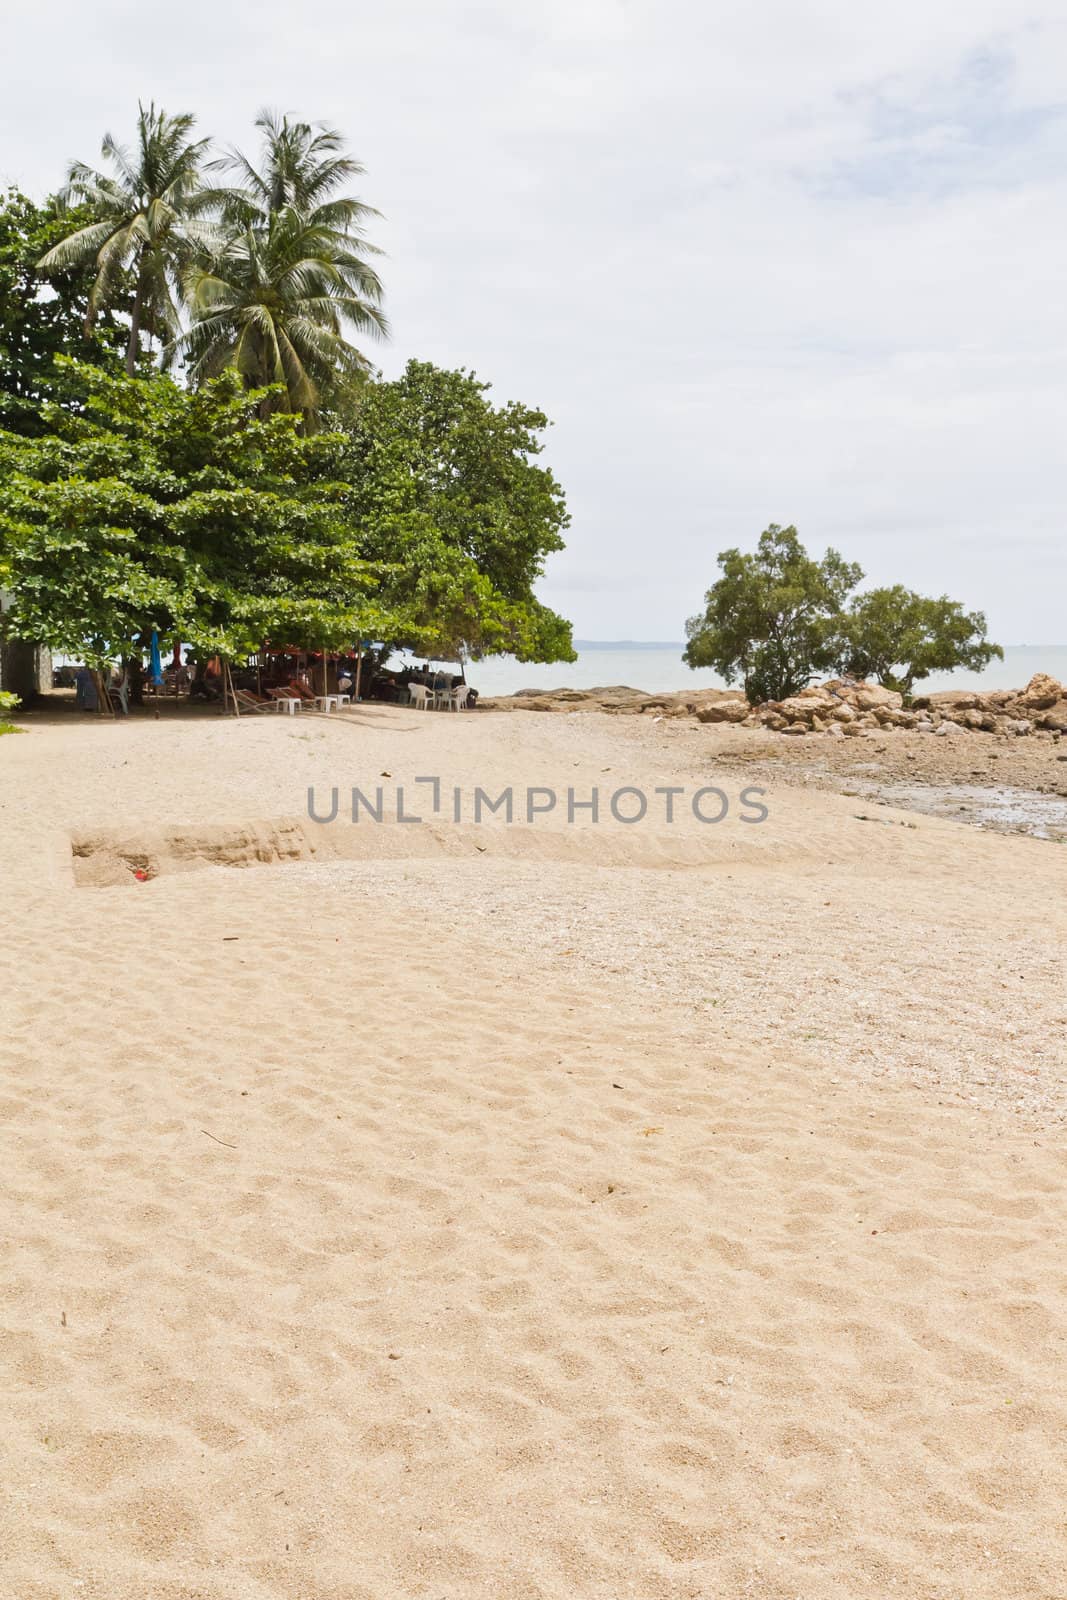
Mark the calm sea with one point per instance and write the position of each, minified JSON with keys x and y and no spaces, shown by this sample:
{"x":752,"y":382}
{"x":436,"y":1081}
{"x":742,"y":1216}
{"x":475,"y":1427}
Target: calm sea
{"x":656,"y":668}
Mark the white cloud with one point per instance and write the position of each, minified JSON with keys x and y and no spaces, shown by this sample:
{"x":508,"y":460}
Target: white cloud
{"x":791,"y":263}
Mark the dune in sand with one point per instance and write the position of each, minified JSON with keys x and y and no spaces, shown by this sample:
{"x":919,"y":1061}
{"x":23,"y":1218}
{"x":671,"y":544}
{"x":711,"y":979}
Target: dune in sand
{"x":454,"y":1210}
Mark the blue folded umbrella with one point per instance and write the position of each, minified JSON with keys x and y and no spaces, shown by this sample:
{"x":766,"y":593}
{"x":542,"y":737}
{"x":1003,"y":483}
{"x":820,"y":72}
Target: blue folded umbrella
{"x":156,"y":662}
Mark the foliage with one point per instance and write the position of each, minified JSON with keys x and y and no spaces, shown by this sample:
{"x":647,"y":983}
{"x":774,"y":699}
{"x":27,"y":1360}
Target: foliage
{"x":8,"y":702}
{"x":899,"y":636}
{"x":775,"y":618}
{"x":142,"y":226}
{"x":183,"y":512}
{"x":446,"y":488}
{"x":290,"y":496}
{"x":40,"y":321}
{"x":288,"y":274}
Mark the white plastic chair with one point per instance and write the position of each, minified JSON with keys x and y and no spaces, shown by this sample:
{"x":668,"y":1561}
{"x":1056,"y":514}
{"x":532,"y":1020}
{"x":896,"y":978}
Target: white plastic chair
{"x":418,"y":695}
{"x":459,"y":697}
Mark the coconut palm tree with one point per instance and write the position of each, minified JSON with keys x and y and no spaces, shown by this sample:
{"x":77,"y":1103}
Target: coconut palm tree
{"x":144,"y":222}
{"x":302,"y":166}
{"x":288,"y":276}
{"x":273,"y":303}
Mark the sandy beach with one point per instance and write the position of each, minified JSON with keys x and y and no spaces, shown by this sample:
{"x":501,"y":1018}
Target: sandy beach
{"x":463,"y":1211}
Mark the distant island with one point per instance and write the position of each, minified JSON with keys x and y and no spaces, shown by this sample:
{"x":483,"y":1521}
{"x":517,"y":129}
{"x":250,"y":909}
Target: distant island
{"x":629,"y":644}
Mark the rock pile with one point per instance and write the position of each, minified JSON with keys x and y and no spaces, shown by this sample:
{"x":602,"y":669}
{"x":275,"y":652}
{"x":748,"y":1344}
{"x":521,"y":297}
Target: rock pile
{"x":839,"y":708}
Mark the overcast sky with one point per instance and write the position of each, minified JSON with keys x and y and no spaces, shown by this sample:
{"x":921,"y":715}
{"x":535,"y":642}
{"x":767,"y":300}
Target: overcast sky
{"x":800,"y":261}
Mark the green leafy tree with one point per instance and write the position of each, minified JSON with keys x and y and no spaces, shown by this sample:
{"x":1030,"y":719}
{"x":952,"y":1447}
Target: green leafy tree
{"x":447,"y":489}
{"x":289,"y":278}
{"x":142,"y":227}
{"x":40,"y":319}
{"x":189,"y":513}
{"x":899,"y":636}
{"x":775,"y":618}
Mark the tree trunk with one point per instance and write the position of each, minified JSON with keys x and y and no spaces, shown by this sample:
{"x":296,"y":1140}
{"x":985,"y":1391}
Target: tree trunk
{"x":135,"y":673}
{"x":133,"y":348}
{"x":103,"y":698}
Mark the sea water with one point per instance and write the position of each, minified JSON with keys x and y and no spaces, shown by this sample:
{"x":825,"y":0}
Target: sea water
{"x":659,"y":668}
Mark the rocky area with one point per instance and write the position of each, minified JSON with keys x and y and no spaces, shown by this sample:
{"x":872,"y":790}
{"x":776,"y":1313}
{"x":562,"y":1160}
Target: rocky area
{"x":860,"y":740}
{"x":839,"y":708}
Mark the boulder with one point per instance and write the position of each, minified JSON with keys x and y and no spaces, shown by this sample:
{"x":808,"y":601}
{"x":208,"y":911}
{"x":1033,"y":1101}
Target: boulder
{"x":1042,"y":692}
{"x":869,"y":696}
{"x":951,"y":700}
{"x":979,"y":721}
{"x":802,"y":707}
{"x":1055,"y":717}
{"x":722,"y":711}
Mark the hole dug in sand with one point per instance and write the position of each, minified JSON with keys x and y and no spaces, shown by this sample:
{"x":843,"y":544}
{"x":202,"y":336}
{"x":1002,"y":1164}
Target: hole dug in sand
{"x":104,"y":859}
{"x":101,"y":860}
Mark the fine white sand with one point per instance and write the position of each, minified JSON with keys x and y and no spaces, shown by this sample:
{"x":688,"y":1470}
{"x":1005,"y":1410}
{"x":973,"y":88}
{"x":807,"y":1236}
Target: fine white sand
{"x":654,"y":1212}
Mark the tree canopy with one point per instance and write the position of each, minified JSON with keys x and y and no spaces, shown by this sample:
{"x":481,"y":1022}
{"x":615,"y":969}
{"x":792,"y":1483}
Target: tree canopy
{"x":774,"y":618}
{"x":40,"y":321}
{"x":190,"y":513}
{"x":278,"y":490}
{"x":214,"y":521}
{"x":777,"y":618}
{"x":446,"y":487}
{"x":899,"y":636}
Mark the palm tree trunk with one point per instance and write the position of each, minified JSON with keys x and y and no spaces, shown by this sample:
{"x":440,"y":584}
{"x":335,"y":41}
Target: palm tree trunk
{"x":133,"y":348}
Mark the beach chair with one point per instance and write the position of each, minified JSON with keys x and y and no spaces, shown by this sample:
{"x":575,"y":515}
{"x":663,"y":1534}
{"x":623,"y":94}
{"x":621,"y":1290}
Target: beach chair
{"x":419,"y":695}
{"x":458,"y":697}
{"x":248,"y":702}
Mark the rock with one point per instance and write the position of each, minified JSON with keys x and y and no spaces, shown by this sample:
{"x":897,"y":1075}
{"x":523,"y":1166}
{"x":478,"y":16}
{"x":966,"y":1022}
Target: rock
{"x":1055,"y":717}
{"x":948,"y":700}
{"x":796,"y":727}
{"x":1042,"y":692}
{"x":1020,"y":727}
{"x":869,"y":696}
{"x":947,"y":726}
{"x":802,"y":707}
{"x":722,"y":711}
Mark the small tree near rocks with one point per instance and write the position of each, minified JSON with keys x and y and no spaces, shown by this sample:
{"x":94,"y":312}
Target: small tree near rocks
{"x":898,"y":636}
{"x":775,"y":618}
